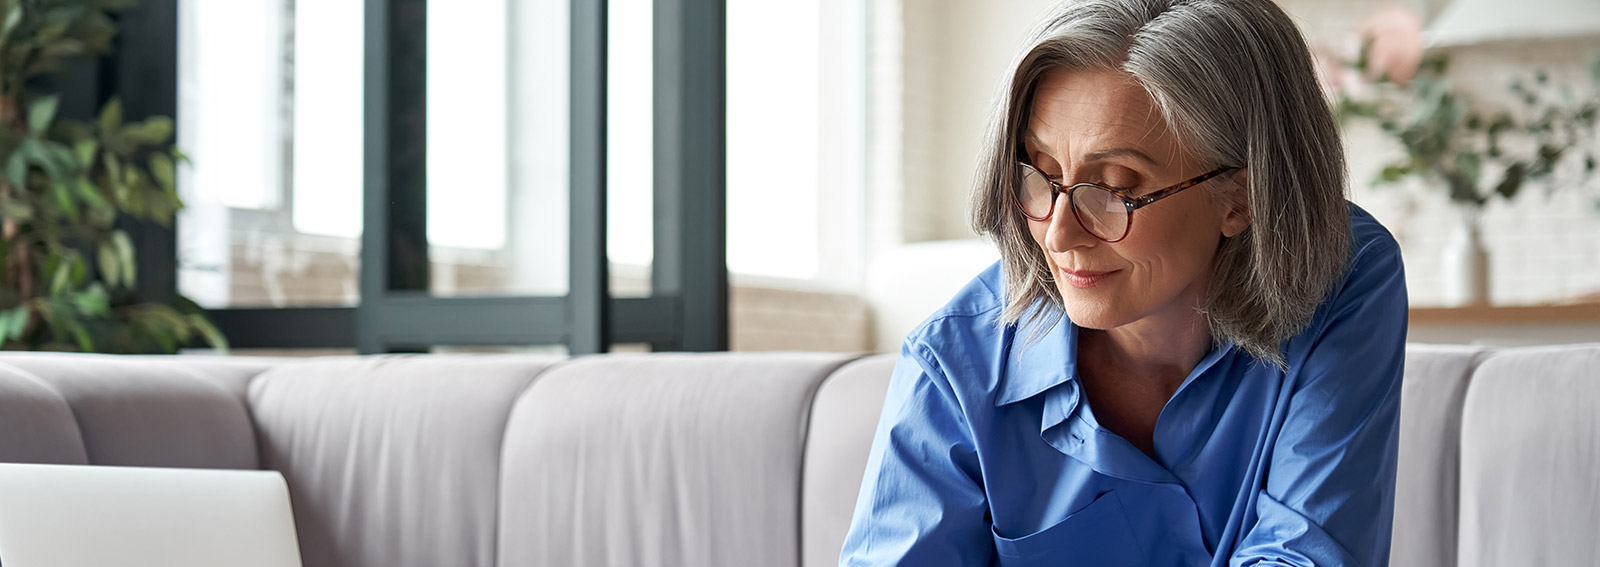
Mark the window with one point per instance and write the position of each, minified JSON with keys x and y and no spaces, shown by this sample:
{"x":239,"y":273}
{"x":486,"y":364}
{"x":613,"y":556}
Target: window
{"x":324,"y":127}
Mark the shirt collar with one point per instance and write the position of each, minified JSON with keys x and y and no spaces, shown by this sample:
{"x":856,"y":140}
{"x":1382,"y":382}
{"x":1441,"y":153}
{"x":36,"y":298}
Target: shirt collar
{"x":1033,"y":366}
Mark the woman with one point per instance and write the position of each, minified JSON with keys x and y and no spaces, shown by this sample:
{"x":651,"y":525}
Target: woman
{"x":1190,"y":352}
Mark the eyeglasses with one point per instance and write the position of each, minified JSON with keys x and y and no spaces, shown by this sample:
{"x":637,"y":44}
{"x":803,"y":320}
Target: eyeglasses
{"x":1104,"y":212}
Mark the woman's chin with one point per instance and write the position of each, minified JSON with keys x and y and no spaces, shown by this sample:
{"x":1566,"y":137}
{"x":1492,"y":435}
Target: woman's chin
{"x":1092,"y":314}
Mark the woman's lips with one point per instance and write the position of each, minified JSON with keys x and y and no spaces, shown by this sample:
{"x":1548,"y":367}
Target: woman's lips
{"x":1084,"y":279}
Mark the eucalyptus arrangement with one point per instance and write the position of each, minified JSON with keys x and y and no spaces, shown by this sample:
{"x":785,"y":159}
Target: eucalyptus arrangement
{"x":1474,"y":153}
{"x":66,"y":269}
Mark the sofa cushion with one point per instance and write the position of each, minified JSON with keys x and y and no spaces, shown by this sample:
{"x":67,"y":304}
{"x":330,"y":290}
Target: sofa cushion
{"x":36,"y":424}
{"x":1427,"y":479}
{"x":1530,"y":459}
{"x":394,"y":460}
{"x":165,"y":411}
{"x":843,"y":420}
{"x":660,"y":460}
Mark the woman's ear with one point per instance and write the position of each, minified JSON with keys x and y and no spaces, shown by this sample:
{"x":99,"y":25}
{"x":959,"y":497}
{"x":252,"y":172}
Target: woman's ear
{"x":1238,"y":214}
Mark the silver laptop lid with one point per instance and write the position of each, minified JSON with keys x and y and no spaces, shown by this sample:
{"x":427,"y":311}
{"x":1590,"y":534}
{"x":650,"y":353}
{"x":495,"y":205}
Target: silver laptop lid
{"x":66,"y":516}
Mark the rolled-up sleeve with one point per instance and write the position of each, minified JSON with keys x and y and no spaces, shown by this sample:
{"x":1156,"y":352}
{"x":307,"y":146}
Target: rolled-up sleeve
{"x":1328,"y":495}
{"x":922,"y":500}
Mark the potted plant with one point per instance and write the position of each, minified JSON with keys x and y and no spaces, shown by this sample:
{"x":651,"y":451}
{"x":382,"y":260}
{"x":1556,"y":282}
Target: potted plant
{"x":1473,"y":152}
{"x":66,"y":270}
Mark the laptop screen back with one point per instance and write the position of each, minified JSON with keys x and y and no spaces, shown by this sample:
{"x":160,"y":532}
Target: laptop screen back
{"x":54,"y":515}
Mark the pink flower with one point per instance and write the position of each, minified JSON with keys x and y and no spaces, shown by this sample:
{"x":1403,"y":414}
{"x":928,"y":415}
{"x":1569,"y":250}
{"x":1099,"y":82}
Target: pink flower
{"x":1395,"y":33}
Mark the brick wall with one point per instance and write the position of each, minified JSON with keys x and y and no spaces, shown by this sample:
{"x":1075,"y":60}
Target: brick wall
{"x":270,"y":272}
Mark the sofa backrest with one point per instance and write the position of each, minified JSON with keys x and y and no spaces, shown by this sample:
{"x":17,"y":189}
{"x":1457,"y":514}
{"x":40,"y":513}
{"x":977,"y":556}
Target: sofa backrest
{"x":1530,"y":459}
{"x":127,"y":410}
{"x":714,"y":459}
{"x":36,"y":424}
{"x":843,"y":419}
{"x":1426,"y":482}
{"x":660,"y":460}
{"x":393,"y":459}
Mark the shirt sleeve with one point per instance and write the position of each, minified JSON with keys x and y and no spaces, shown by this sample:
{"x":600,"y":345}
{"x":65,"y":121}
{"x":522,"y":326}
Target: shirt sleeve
{"x":1328,"y":495}
{"x":922,"y":500}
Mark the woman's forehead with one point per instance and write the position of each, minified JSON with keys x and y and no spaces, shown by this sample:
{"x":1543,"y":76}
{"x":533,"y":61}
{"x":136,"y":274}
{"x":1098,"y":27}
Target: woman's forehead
{"x":1088,"y":112}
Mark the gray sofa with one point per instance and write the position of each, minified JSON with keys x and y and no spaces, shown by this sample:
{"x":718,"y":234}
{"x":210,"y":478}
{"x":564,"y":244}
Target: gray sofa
{"x":714,"y":459}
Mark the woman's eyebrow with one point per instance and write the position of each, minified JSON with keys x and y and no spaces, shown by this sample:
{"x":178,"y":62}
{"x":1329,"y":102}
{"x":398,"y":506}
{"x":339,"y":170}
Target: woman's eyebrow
{"x":1030,"y":138}
{"x":1120,"y":152}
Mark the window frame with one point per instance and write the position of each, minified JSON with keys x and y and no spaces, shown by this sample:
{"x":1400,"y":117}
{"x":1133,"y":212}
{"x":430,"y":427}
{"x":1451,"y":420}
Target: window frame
{"x":688,"y":305}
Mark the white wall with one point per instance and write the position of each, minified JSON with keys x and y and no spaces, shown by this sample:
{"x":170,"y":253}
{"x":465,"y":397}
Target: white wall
{"x":956,"y":54}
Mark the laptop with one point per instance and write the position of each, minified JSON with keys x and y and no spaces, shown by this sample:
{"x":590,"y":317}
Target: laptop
{"x":67,"y":516}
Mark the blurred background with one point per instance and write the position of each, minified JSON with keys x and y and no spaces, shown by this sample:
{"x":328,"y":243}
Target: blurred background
{"x":851,"y":134}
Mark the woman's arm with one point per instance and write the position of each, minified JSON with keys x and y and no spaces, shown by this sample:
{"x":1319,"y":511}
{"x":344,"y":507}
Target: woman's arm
{"x":922,"y":500}
{"x":1328,"y":498}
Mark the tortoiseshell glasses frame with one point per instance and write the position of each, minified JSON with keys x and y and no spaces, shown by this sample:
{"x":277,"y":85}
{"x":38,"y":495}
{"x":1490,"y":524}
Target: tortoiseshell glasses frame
{"x":1029,"y":175}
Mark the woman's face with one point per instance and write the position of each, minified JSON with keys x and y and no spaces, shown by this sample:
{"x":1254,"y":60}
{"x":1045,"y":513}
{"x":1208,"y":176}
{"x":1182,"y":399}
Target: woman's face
{"x":1102,"y":127}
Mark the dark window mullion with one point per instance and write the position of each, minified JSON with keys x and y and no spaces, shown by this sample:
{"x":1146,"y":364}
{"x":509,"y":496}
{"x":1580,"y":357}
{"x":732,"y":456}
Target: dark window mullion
{"x":145,"y":77}
{"x":588,"y":293}
{"x":690,"y":177}
{"x":394,"y":200}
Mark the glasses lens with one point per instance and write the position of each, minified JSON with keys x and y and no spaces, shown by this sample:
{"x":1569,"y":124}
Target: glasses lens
{"x":1033,"y":193}
{"x":1101,"y":212}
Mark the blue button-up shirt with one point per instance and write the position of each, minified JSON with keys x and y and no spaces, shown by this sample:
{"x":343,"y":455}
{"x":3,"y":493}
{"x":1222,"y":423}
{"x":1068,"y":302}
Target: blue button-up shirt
{"x":987,"y":451}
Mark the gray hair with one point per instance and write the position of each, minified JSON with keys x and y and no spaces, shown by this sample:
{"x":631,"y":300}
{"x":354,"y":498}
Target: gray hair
{"x":1235,"y":83}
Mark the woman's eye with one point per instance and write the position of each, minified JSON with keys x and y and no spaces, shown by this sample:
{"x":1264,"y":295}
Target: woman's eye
{"x":1121,"y":182}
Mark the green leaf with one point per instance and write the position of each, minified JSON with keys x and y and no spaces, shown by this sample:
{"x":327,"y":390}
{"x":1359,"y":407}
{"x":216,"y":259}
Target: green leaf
{"x":41,"y":113}
{"x":124,"y":248}
{"x":13,"y":322}
{"x":64,"y":200}
{"x":85,"y":342}
{"x":154,"y":131}
{"x":80,"y":268}
{"x":93,"y":301}
{"x":62,"y":278}
{"x":209,"y":331}
{"x":84,"y":150}
{"x":50,"y":32}
{"x":61,"y":158}
{"x":17,"y":170}
{"x":113,"y":178}
{"x":1512,"y":182}
{"x":38,"y":153}
{"x":90,"y":194}
{"x":109,"y":267}
{"x":162,"y":169}
{"x":165,"y":317}
{"x":1393,"y":173}
{"x":14,"y":17}
{"x":19,"y":321}
{"x":162,"y":336}
{"x":111,"y":115}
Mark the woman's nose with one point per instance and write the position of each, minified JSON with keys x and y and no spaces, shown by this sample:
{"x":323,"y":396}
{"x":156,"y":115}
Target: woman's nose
{"x":1064,"y":232}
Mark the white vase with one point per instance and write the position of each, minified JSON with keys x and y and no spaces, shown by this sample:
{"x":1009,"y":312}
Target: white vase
{"x":1466,"y":264}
